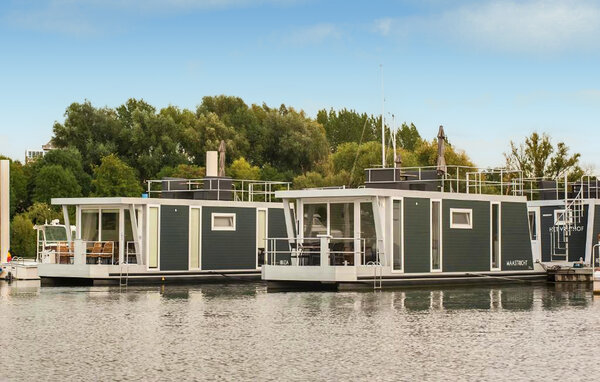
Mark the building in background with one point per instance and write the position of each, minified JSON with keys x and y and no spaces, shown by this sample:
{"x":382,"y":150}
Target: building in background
{"x":32,"y":154}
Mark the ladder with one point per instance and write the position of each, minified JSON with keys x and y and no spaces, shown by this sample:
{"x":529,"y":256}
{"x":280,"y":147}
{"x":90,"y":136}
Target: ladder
{"x":124,"y":277}
{"x":377,"y":276}
{"x":566,"y":222}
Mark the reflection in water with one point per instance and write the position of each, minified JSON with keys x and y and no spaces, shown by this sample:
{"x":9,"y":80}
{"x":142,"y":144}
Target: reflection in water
{"x":238,"y":331}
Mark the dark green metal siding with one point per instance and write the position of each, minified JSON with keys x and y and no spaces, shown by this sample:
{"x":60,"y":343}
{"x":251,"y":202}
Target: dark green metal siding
{"x":277,"y":228}
{"x":577,"y":238}
{"x":174,"y":241}
{"x":466,"y":250}
{"x":547,"y":222}
{"x":516,"y":244}
{"x":229,"y":249}
{"x":596,"y":231}
{"x":416,"y":235}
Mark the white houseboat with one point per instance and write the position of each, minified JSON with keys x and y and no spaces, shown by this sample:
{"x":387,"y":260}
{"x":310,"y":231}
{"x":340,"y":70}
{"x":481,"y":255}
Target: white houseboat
{"x":433,"y":225}
{"x":181,"y":229}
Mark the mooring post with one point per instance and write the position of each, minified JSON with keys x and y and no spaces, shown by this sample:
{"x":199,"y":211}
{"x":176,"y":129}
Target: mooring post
{"x":4,"y":210}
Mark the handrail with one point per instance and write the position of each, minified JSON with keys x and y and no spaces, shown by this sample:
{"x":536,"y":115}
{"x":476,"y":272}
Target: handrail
{"x":241,"y":189}
{"x":129,"y":253}
{"x":296,"y":247}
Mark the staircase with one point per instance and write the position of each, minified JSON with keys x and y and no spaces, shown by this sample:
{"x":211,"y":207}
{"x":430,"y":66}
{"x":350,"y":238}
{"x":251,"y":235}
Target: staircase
{"x":566,"y":221}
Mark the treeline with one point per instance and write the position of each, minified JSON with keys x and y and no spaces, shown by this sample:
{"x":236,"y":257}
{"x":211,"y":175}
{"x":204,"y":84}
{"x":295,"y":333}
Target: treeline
{"x":105,"y":151}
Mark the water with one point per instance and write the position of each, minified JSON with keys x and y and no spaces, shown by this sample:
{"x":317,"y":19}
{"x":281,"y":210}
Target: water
{"x":241,"y":332}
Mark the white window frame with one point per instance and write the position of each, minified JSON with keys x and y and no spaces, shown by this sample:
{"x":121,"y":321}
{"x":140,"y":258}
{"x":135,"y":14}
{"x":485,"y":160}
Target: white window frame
{"x":441,"y":235}
{"x":266,"y":210}
{"x":147,"y":239}
{"x":565,"y":215}
{"x":499,"y":267}
{"x":459,"y":225}
{"x":391,"y":233}
{"x":199,"y":239}
{"x":226,"y":215}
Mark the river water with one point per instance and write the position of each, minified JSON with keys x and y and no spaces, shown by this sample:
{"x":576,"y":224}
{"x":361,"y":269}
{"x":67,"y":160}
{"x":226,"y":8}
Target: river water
{"x":241,"y":332}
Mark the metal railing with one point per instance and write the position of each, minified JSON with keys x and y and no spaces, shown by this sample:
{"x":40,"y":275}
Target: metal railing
{"x":245,"y":190}
{"x":61,"y":251}
{"x":340,"y":251}
{"x":494,"y":181}
{"x":130,"y":253}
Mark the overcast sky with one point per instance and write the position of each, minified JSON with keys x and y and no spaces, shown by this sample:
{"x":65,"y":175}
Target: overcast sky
{"x":489,"y":71}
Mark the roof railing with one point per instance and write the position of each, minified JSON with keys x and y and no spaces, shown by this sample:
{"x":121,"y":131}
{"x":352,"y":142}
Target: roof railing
{"x":494,"y":181}
{"x":244,"y":190}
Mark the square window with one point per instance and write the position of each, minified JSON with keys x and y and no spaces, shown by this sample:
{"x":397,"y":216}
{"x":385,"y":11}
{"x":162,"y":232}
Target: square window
{"x":461,"y":218}
{"x":562,"y":217}
{"x":223,"y":222}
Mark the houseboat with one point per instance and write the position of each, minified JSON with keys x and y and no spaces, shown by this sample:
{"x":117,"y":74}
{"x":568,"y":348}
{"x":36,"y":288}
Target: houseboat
{"x":564,"y":221}
{"x":181,"y":229}
{"x":446,"y":224}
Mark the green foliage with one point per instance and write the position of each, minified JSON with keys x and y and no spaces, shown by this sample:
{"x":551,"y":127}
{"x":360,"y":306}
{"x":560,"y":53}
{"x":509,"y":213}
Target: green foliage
{"x":19,"y":178}
{"x":295,"y":143}
{"x":22,"y":236}
{"x":69,"y":159}
{"x":408,"y":137}
{"x":241,"y":169}
{"x":269,"y":172}
{"x":314,"y":179}
{"x":54,"y":181}
{"x":426,"y":155}
{"x":42,"y":213}
{"x":538,"y":158}
{"x":115,"y":178}
{"x":186,"y":171}
{"x":347,"y":126}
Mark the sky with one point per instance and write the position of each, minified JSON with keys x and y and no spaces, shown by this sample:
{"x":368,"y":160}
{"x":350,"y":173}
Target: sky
{"x":488,"y":71}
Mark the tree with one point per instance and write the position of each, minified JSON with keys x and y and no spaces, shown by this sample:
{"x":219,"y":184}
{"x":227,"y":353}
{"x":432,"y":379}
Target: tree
{"x":69,"y":159}
{"x":22,"y":236}
{"x":19,"y":179}
{"x":295,"y":142}
{"x":536,"y":157}
{"x":426,"y":155}
{"x":347,"y":126}
{"x":186,"y":171}
{"x":53,"y":181}
{"x":115,"y":178}
{"x":42,"y":213}
{"x":314,"y":179}
{"x":408,"y":137}
{"x":94,"y":132}
{"x":241,"y":169}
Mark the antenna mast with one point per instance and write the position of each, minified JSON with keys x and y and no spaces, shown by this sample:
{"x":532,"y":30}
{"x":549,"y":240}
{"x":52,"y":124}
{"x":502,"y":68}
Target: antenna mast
{"x":382,"y":120}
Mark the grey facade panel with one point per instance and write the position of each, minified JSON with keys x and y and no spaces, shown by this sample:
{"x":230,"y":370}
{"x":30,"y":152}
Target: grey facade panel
{"x":229,"y":249}
{"x":174,"y":238}
{"x":466,"y":250}
{"x":416,"y":235}
{"x":277,"y":228}
{"x":547,"y":221}
{"x":516,"y":251}
{"x":577,"y":239}
{"x":596,"y":232}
